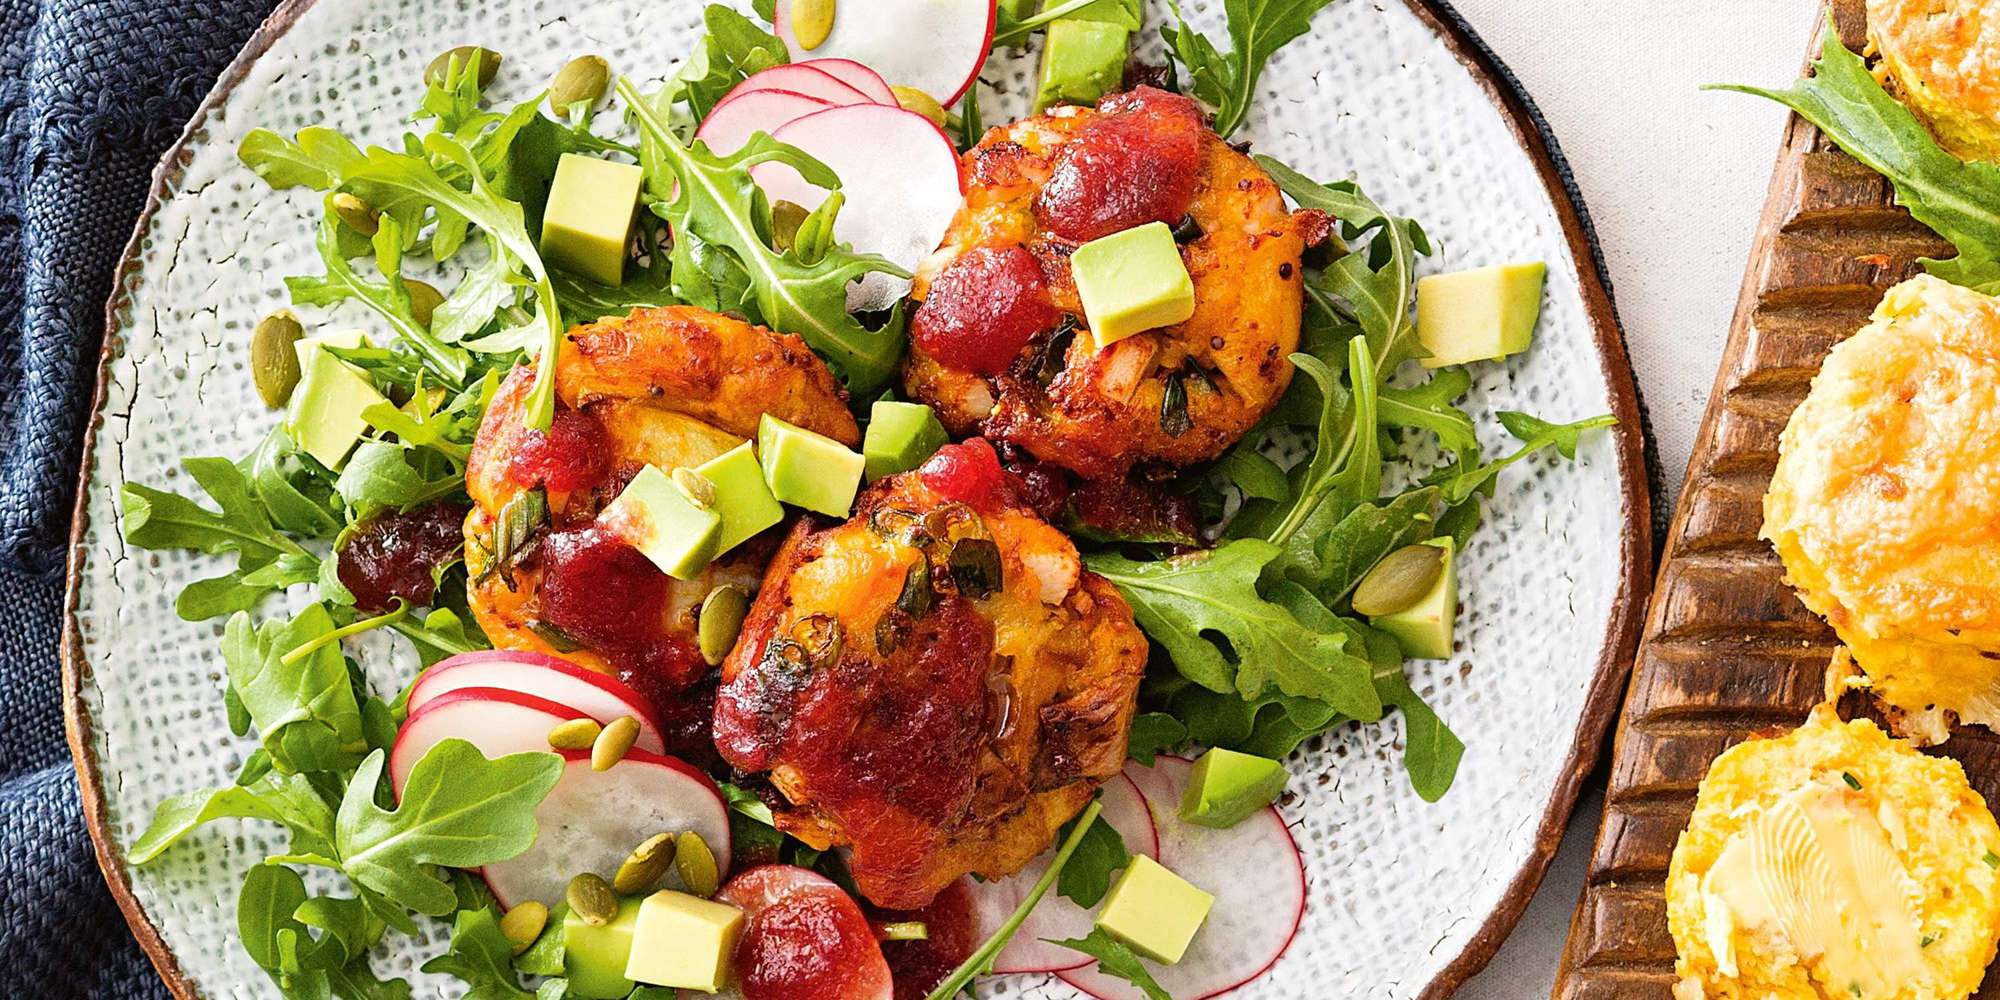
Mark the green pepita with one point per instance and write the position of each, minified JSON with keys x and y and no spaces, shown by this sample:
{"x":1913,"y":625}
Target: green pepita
{"x":464,"y":55}
{"x":721,"y":621}
{"x":583,"y":80}
{"x":613,"y":743}
{"x":523,"y":924}
{"x":696,"y":865}
{"x":424,"y":300}
{"x":812,"y":22}
{"x":786,"y":218}
{"x":592,"y":899}
{"x":645,"y":866}
{"x":356,"y":214}
{"x":700,"y":489}
{"x":1400,"y":580}
{"x":921,"y":103}
{"x":576,"y":734}
{"x":274,"y":360}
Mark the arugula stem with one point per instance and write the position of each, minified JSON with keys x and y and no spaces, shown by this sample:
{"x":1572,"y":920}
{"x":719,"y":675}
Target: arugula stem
{"x":354,"y":628}
{"x":1321,"y":478}
{"x":1027,"y":26}
{"x":982,"y":959}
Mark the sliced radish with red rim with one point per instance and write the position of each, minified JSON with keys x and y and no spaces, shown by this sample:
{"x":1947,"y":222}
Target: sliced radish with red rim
{"x":855,"y":75}
{"x":593,"y":819}
{"x":804,"y":938}
{"x":745,"y":113}
{"x":600,"y":696}
{"x":1057,"y":917}
{"x":807,"y":80}
{"x":900,"y":177}
{"x":1258,"y":878}
{"x":496,"y":721}
{"x":936,"y":46}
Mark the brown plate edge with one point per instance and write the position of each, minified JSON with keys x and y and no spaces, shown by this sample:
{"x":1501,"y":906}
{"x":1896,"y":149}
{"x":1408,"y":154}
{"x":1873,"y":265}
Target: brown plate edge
{"x":1621,"y":636}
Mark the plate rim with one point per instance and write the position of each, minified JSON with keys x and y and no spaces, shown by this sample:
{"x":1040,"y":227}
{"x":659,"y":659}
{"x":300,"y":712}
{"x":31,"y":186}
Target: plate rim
{"x":1531,"y":132}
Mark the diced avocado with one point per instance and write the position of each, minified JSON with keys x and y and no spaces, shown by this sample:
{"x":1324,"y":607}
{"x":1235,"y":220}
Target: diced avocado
{"x":741,"y":496}
{"x":1131,"y":282}
{"x":595,"y":957}
{"x":1484,"y":314}
{"x":808,"y":470}
{"x":1424,"y":629}
{"x":684,"y":941}
{"x":900,"y":436}
{"x":1082,"y":60}
{"x":657,"y":517}
{"x":589,"y":216}
{"x":346,"y":340}
{"x":1227,"y":788}
{"x":1127,"y":14}
{"x":1154,"y":911}
{"x":325,"y":415}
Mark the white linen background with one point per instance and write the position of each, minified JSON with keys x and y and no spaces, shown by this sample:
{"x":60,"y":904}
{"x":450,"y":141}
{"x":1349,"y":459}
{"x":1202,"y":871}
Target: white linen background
{"x":1675,"y":179}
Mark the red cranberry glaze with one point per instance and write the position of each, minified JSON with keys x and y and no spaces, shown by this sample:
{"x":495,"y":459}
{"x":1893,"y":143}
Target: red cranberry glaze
{"x":919,"y":966}
{"x":397,"y":556}
{"x":969,"y":473}
{"x":1139,"y":161}
{"x":611,"y":598}
{"x":803,"y":939}
{"x":570,"y":455}
{"x":983,"y":309}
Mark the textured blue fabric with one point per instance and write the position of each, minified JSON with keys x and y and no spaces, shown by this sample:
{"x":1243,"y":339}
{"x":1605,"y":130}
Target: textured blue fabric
{"x":92,"y":92}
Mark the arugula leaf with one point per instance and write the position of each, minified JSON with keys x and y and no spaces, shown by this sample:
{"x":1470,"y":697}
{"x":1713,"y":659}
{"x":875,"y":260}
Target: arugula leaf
{"x":272,"y":937}
{"x":481,"y":957}
{"x":458,"y":809}
{"x":266,"y":560}
{"x":1536,"y":435}
{"x":1349,"y":471}
{"x":377,"y":476}
{"x":1012,"y":29}
{"x":389,"y":298}
{"x":981,"y":959}
{"x":545,"y":957}
{"x":1346,"y":553}
{"x":718,"y":204}
{"x":292,"y":491}
{"x":1115,"y":959}
{"x":1431,"y":407}
{"x":1204,"y":609}
{"x":304,"y":709}
{"x":1152,"y":734}
{"x":1257,"y":30}
{"x":1098,"y":856}
{"x":288,"y":799}
{"x":315,"y":158}
{"x":1957,"y":199}
{"x":733,"y":49}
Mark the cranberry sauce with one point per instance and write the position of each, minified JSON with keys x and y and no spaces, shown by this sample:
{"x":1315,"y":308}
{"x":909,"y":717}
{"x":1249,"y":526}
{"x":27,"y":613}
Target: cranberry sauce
{"x":398,"y":555}
{"x":1139,"y":161}
{"x":983,"y":309}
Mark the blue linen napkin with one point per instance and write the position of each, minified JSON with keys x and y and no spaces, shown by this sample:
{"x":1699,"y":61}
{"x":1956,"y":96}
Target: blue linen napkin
{"x":92,"y":92}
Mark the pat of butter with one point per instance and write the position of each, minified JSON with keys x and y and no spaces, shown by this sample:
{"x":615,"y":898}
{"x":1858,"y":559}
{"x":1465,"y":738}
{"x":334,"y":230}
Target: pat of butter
{"x":684,"y":942}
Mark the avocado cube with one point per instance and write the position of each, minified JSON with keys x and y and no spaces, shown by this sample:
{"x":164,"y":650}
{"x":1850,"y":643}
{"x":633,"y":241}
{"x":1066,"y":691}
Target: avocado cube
{"x":588,"y":220}
{"x":324,"y":418}
{"x":1127,"y":14}
{"x":1131,"y":282}
{"x":657,"y":517}
{"x":1082,"y":60}
{"x":808,"y":470}
{"x":684,"y":941}
{"x":347,"y":340}
{"x":595,"y":957}
{"x":900,"y":436}
{"x":1227,"y":788}
{"x":741,"y":496}
{"x":1424,"y":629}
{"x":1484,"y":314}
{"x":1154,"y":911}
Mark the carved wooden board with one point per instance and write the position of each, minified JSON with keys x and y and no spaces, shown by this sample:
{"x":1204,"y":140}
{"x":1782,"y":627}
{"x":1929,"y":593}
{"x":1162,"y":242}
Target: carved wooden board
{"x":1728,"y":652}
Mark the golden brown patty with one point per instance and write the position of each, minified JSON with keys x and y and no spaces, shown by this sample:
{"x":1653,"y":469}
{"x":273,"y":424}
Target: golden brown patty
{"x":1943,"y":58}
{"x":1885,"y":506}
{"x":1834,"y":863}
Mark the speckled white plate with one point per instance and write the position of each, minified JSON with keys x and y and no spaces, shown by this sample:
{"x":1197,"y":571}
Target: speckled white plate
{"x":1406,"y":899}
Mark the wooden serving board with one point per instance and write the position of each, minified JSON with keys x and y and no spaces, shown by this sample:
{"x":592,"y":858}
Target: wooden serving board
{"x":1728,"y":652}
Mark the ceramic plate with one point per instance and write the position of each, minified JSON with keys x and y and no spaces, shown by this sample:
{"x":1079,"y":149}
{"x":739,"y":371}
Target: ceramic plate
{"x":1406,"y":899}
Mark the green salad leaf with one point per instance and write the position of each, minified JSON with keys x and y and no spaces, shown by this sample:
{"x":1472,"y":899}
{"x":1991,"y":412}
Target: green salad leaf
{"x":289,"y":799}
{"x":1228,"y":81}
{"x":266,"y":559}
{"x":1535,"y":435}
{"x":1959,"y":200}
{"x":1152,"y":734}
{"x":1100,"y":855}
{"x":304,"y":706}
{"x":1115,"y":959}
{"x":481,"y":957}
{"x":1012,"y":29}
{"x":733,"y":49}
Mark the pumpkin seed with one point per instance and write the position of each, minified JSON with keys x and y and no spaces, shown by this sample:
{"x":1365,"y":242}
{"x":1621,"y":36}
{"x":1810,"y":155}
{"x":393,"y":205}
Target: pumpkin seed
{"x":576,"y":734}
{"x":921,"y":103}
{"x":582,"y":80}
{"x":523,"y":924}
{"x":1400,"y":580}
{"x":721,"y":621}
{"x":812,"y":22}
{"x":356,"y":214}
{"x":786,"y":218}
{"x":274,"y":360}
{"x":424,"y":300}
{"x":700,"y":489}
{"x":592,"y":898}
{"x":646,"y":865}
{"x":613,"y":743}
{"x":465,"y":55}
{"x":696,"y":865}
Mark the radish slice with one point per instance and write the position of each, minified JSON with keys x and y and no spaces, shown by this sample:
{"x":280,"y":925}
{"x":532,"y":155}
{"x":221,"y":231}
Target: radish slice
{"x":593,"y":819}
{"x":900,"y":177}
{"x":803,"y":937}
{"x":1057,"y":917}
{"x":1259,"y":881}
{"x":936,"y":46}
{"x":859,"y":77}
{"x":745,"y":113}
{"x":805,"y":79}
{"x":496,"y":721}
{"x":599,"y":696}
